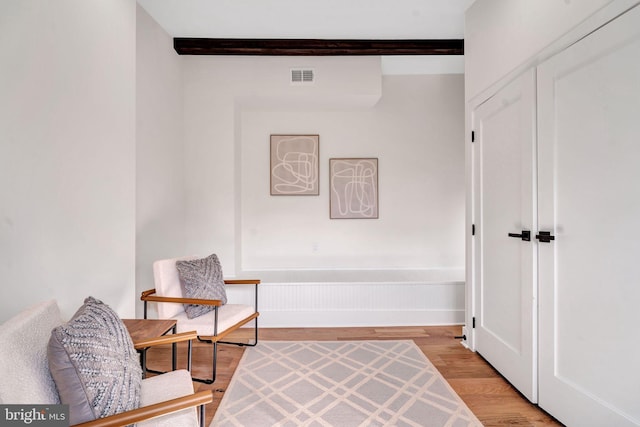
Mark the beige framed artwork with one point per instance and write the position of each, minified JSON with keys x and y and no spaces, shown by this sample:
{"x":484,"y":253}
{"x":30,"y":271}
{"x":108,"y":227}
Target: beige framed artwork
{"x":354,"y":188}
{"x":294,"y":165}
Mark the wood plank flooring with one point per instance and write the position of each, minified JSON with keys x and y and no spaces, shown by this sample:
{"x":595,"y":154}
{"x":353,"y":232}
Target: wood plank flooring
{"x":494,"y":401}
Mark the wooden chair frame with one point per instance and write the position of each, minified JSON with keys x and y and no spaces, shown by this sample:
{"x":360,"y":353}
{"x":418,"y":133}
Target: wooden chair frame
{"x":200,"y":399}
{"x":217,"y":338}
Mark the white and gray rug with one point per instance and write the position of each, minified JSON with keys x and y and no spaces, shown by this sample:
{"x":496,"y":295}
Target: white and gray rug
{"x":339,"y":384}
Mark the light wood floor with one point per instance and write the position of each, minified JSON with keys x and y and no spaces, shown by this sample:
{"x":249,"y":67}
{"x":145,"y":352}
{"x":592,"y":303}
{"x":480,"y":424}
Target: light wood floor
{"x":491,"y":398}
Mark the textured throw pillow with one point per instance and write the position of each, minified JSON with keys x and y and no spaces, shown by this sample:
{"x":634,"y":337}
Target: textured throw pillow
{"x":94,"y":365}
{"x":201,"y":278}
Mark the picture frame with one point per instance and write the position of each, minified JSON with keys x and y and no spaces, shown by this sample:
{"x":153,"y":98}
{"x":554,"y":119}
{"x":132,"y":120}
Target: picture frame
{"x":353,"y":186}
{"x":294,"y":165}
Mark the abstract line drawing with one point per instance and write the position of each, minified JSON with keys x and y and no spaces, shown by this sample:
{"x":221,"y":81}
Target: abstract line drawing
{"x":294,"y":165}
{"x":354,"y":188}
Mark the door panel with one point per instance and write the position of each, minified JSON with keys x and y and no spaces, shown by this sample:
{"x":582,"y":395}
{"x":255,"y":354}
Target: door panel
{"x":589,"y":198}
{"x":505,"y":274}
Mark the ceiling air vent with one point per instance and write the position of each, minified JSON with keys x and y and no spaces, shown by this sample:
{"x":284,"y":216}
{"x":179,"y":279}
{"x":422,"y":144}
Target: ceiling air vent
{"x":301,"y":76}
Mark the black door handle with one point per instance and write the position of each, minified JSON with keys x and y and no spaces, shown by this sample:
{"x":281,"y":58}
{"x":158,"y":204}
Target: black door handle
{"x":526,"y":235}
{"x":545,"y":236}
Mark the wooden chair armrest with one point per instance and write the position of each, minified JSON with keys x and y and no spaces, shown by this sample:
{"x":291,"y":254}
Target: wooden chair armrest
{"x":165,"y":339}
{"x":147,"y":293}
{"x":152,"y":411}
{"x":151,"y":297}
{"x":242,"y":282}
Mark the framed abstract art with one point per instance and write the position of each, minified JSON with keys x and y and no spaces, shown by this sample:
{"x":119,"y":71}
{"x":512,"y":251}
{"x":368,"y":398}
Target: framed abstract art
{"x":294,"y":165}
{"x":354,"y":188}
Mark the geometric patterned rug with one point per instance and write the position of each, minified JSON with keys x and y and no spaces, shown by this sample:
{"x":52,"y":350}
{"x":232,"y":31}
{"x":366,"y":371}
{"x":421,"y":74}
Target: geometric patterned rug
{"x":339,"y":383}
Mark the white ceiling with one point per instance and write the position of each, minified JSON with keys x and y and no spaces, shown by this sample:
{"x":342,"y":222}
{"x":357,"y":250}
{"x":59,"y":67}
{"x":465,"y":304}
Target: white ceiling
{"x":322,"y":19}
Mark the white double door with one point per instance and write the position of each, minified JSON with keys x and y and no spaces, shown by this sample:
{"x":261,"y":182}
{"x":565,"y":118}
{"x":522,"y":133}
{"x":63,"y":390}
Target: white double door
{"x":558,"y":151}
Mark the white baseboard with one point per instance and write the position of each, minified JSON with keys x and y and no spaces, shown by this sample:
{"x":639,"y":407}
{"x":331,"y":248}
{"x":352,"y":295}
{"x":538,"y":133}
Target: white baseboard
{"x":328,"y":318}
{"x":345,"y":304}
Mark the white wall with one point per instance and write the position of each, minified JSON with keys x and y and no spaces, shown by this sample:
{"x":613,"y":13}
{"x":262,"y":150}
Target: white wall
{"x":416,"y":132}
{"x":413,"y":252}
{"x":67,"y":153}
{"x":232,"y":105}
{"x":160,"y":197}
{"x":502,"y":35}
{"x":217,"y":90}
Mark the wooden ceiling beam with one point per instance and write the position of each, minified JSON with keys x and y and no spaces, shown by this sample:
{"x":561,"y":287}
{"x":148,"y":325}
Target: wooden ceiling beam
{"x":316,"y":47}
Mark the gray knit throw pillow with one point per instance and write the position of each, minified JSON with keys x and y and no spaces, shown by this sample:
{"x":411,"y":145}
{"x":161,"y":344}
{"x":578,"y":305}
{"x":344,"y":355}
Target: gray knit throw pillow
{"x":94,"y":365}
{"x":202,"y":279}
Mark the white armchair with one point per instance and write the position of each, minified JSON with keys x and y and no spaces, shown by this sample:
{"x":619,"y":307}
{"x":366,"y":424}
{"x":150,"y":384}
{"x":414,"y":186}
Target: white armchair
{"x":26,"y":378}
{"x":212,"y":327}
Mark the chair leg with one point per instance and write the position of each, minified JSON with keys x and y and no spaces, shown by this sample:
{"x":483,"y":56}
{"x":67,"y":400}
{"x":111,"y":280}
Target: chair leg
{"x":214,"y":362}
{"x":202,"y":415}
{"x":189,"y":353}
{"x":242,"y":344}
{"x":215,"y":353}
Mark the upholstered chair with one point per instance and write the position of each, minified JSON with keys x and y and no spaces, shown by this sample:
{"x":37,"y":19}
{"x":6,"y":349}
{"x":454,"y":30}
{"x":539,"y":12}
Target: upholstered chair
{"x":211,"y":317}
{"x":27,"y":344}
